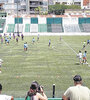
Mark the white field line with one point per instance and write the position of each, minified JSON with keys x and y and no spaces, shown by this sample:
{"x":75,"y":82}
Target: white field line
{"x":69,"y":47}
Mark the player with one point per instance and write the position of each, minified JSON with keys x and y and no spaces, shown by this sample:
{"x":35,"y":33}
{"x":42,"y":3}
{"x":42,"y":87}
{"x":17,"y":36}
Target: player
{"x":60,"y":38}
{"x":22,"y":36}
{"x":25,"y":46}
{"x":17,"y":39}
{"x":1,"y":61}
{"x":33,"y":40}
{"x":1,"y":40}
{"x":84,"y":58}
{"x":38,"y":37}
{"x":80,"y":56}
{"x":10,"y":36}
{"x":7,"y":41}
{"x":84,"y":44}
{"x":49,"y":43}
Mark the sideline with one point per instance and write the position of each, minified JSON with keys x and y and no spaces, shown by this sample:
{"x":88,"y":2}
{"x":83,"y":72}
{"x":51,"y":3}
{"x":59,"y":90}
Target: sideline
{"x":70,"y":47}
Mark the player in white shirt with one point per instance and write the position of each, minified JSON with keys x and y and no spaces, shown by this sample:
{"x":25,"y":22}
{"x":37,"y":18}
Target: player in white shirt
{"x":1,"y":61}
{"x":80,"y":56}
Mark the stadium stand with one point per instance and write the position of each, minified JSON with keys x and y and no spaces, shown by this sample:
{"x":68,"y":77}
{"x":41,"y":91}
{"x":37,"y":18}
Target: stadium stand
{"x":34,"y":28}
{"x":42,"y":27}
{"x":34,"y":20}
{"x":49,"y":28}
{"x":11,"y":28}
{"x":57,"y":28}
{"x":84,"y":24}
{"x":86,"y":27}
{"x":47,"y":24}
{"x":41,"y":20}
{"x":2,"y":23}
{"x":18,"y":20}
{"x":27,"y":27}
{"x":54,"y":25}
{"x":71,"y":25}
{"x":20,"y":28}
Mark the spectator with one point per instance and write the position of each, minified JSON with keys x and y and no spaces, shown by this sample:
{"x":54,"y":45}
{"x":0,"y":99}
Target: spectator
{"x":33,"y":93}
{"x":5,"y":97}
{"x":77,"y":92}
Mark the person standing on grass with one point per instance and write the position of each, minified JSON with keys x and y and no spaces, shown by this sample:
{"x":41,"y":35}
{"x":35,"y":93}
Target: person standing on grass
{"x":25,"y":46}
{"x":84,"y":44}
{"x":5,"y":40}
{"x":17,"y":39}
{"x":33,"y":40}
{"x":10,"y":36}
{"x":85,"y":58}
{"x":5,"y":97}
{"x":49,"y":43}
{"x":1,"y":40}
{"x":77,"y":92}
{"x":80,"y":56}
{"x":13,"y":36}
{"x":22,"y":36}
{"x":1,"y":61}
{"x":38,"y":37}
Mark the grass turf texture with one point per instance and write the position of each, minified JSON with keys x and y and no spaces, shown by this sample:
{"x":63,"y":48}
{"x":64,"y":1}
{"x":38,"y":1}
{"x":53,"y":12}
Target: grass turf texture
{"x":56,"y":64}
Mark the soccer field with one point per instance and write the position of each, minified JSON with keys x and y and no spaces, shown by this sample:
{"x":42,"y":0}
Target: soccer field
{"x":56,"y":64}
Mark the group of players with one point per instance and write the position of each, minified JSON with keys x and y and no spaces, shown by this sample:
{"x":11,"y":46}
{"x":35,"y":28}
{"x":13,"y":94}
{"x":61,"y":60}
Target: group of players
{"x":83,"y":57}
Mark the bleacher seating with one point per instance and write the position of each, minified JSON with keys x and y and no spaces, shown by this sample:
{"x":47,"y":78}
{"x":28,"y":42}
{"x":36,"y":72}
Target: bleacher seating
{"x":27,"y":27}
{"x":20,"y":28}
{"x":84,"y":24}
{"x":11,"y":28}
{"x":42,"y":28}
{"x":57,"y":28}
{"x":49,"y":28}
{"x":71,"y":28}
{"x":2,"y":23}
{"x":34,"y":28}
{"x":45,"y":24}
{"x":86,"y":27}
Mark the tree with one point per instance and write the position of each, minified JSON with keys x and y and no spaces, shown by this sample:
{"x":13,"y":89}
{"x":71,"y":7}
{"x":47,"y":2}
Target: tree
{"x":60,"y":9}
{"x":38,"y":10}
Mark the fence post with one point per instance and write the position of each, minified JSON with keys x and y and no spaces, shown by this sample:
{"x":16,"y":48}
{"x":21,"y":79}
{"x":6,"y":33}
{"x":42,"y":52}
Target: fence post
{"x":53,"y":90}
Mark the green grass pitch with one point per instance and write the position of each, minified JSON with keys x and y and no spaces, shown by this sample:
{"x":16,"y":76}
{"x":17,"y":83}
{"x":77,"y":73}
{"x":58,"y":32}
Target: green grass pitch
{"x":56,"y":64}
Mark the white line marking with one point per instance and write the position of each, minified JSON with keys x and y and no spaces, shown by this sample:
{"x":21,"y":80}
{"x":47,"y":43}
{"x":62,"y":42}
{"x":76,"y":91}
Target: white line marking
{"x":70,"y":47}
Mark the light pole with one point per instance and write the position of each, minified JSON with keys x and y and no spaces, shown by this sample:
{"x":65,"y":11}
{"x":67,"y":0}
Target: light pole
{"x":17,"y":20}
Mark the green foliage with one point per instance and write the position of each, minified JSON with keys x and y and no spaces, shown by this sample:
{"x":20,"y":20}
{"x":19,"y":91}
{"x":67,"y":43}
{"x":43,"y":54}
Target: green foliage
{"x":38,"y":9}
{"x":61,"y":8}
